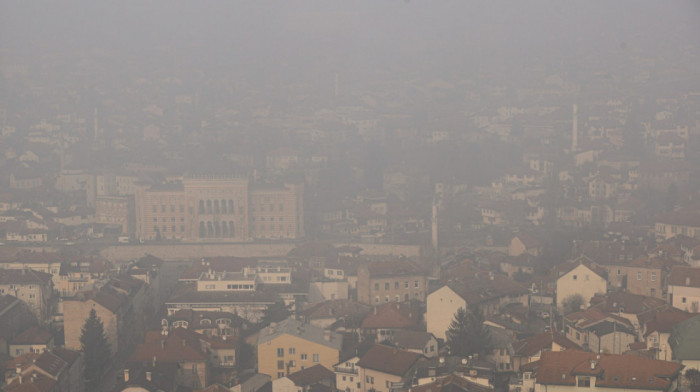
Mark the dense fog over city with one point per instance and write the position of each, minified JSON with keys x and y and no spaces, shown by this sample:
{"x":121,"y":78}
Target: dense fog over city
{"x":276,"y":196}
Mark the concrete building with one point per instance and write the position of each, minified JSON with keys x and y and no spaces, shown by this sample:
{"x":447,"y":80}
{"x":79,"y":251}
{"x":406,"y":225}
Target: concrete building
{"x":291,"y":345}
{"x":391,"y":281}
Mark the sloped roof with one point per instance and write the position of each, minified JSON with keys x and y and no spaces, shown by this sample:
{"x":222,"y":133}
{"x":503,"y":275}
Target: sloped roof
{"x":33,"y":335}
{"x":452,"y":383}
{"x":32,"y":382}
{"x":311,"y":375}
{"x":394,"y":268}
{"x":665,"y":320}
{"x":292,"y":326}
{"x":178,"y":345}
{"x":621,"y":371}
{"x":388,"y":360}
{"x":542,"y":342}
{"x":684,"y":276}
{"x":23,"y":276}
{"x":484,"y":286}
{"x":393,"y":315}
{"x":415,"y":340}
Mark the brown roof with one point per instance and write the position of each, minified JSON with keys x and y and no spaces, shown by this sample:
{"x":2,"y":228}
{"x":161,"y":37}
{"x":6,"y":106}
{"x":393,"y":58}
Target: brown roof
{"x":542,"y":342}
{"x":214,"y":388}
{"x":403,"y":267}
{"x":528,"y":240}
{"x":411,"y":339}
{"x":447,"y":383}
{"x":23,"y":276}
{"x":336,"y":308}
{"x":687,"y":218}
{"x":33,"y":335}
{"x":393,"y":315}
{"x":684,"y":276}
{"x":388,"y":360}
{"x":620,"y":371}
{"x":32,"y":382}
{"x":179,"y":345}
{"x":484,"y":286}
{"x":665,"y":320}
{"x":626,"y":303}
{"x":312,"y":375}
{"x":7,"y":301}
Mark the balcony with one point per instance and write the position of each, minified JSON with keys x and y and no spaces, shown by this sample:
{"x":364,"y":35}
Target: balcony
{"x":345,"y":370}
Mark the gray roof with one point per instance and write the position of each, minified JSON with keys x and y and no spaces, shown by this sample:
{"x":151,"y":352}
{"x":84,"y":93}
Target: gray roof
{"x":292,"y":326}
{"x":685,"y":340}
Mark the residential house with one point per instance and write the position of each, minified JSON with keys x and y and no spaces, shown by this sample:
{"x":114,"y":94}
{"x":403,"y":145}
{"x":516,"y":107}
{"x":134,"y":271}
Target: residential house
{"x":453,"y":382}
{"x":482,"y":290}
{"x":58,"y":370}
{"x":344,"y":313}
{"x":384,"y":320}
{"x":78,"y":274}
{"x":416,"y":341}
{"x":684,"y":288}
{"x":579,"y":277}
{"x":306,"y":379}
{"x":347,"y":375}
{"x":657,"y":331}
{"x":578,"y":325}
{"x":291,"y":345}
{"x":524,"y":243}
{"x":384,"y":368}
{"x":678,"y":223}
{"x":609,"y":337}
{"x":386,"y":281}
{"x":178,"y":348}
{"x":110,"y":306}
{"x":531,"y":349}
{"x":15,"y":317}
{"x":33,"y":340}
{"x":33,"y":287}
{"x":571,"y":370}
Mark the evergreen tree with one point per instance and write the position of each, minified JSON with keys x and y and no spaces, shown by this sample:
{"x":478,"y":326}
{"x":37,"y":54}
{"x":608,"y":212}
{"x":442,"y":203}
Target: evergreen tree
{"x":95,"y":347}
{"x":467,"y":334}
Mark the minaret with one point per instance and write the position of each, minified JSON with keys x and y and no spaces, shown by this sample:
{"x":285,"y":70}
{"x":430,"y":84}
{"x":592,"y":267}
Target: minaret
{"x":434,"y":222}
{"x":95,"y":123}
{"x":574,"y":130}
{"x":336,"y":86}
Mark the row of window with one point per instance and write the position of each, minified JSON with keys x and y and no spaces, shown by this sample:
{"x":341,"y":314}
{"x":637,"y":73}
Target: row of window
{"x":216,"y":229}
{"x":272,"y":219}
{"x":292,"y":351}
{"x":173,"y":229}
{"x":216,"y":207}
{"x":271,"y":209}
{"x":165,"y":219}
{"x":387,"y":285}
{"x":163,"y":208}
{"x":397,"y":298}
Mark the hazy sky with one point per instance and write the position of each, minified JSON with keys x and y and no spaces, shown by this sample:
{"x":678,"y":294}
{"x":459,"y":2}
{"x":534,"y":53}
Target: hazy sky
{"x":350,"y":33}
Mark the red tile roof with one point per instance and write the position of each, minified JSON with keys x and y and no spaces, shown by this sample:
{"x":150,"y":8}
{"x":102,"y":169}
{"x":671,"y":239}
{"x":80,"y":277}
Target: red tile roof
{"x":611,"y":371}
{"x":388,"y":360}
{"x":31,"y":382}
{"x":311,"y":375}
{"x":23,"y":277}
{"x":393,"y":315}
{"x":178,"y":345}
{"x":542,"y":342}
{"x":33,"y":335}
{"x":448,"y":382}
{"x":684,"y":276}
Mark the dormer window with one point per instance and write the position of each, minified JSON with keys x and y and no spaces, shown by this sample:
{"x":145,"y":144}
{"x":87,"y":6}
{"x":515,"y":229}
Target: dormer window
{"x":205,"y":322}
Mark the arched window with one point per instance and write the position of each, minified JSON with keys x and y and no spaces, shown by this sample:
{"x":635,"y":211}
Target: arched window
{"x":201,"y":206}
{"x":217,"y":228}
{"x":223,"y":206}
{"x":202,"y":230}
{"x":216,"y":206}
{"x":208,"y":206}
{"x":210,"y":229}
{"x":231,"y":229}
{"x":230,"y":207}
{"x":224,"y":229}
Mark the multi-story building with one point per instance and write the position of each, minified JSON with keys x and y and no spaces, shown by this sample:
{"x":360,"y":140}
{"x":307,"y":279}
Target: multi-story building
{"x":291,"y":345}
{"x":384,"y":368}
{"x":115,"y":211}
{"x":277,"y":211}
{"x":58,"y":370}
{"x":395,"y":281}
{"x":684,"y":288}
{"x":33,"y":287}
{"x":216,"y":209}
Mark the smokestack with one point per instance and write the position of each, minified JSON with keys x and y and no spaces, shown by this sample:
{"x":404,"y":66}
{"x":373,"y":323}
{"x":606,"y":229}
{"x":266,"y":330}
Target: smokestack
{"x":435,"y":225}
{"x":574,"y":130}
